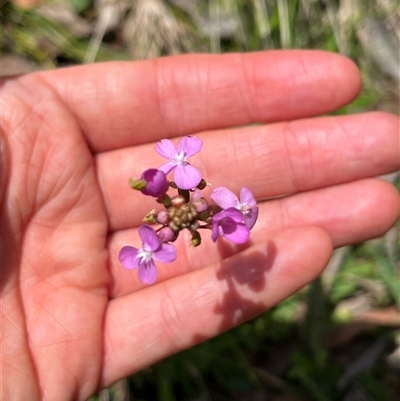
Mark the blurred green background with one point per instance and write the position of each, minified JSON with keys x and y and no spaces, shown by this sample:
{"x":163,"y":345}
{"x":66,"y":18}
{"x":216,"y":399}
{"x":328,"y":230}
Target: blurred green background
{"x":338,"y":338}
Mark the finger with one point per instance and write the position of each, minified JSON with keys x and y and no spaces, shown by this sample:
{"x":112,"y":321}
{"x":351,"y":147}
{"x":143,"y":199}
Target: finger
{"x":147,"y":326}
{"x":4,"y":160}
{"x":122,"y":104}
{"x":349,"y":213}
{"x":271,"y":160}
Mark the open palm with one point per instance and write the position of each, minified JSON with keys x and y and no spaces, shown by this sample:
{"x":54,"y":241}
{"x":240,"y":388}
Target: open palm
{"x":73,"y":320}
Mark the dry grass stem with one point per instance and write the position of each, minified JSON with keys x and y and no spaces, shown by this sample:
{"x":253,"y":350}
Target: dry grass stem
{"x":151,"y":30}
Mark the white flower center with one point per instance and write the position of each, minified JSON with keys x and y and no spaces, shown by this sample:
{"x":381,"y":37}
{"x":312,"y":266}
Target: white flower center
{"x":145,"y":254}
{"x":244,"y":208}
{"x":180,"y":158}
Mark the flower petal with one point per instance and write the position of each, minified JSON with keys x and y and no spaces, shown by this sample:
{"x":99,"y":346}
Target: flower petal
{"x":165,"y":254}
{"x":127,"y":257}
{"x":187,"y":177}
{"x":166,"y":149}
{"x":215,"y":230}
{"x":250,"y":217}
{"x":247,"y":197}
{"x":229,"y":223}
{"x":149,"y":237}
{"x":167,"y":167}
{"x":228,"y":226}
{"x":147,"y":273}
{"x":190,"y":145}
{"x":231,"y":213}
{"x":234,"y":214}
{"x":239,"y":235}
{"x":224,"y":198}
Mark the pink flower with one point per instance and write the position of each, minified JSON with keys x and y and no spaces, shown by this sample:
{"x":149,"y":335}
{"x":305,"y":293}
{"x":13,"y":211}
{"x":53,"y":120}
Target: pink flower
{"x":225,"y":199}
{"x":185,"y":175}
{"x":143,"y":258}
{"x":229,"y":224}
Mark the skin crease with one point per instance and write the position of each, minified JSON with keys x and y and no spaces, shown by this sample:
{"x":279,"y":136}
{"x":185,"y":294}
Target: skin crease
{"x":73,"y":320}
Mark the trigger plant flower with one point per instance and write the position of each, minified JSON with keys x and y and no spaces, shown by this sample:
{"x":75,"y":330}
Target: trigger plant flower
{"x":229,"y":224}
{"x":143,"y":258}
{"x":225,"y":199}
{"x":185,"y":175}
{"x":189,"y":210}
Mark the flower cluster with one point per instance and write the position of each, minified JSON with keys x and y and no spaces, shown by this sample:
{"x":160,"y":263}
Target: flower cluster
{"x":227,"y":216}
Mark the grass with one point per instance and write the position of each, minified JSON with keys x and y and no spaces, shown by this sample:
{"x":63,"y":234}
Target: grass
{"x":331,"y":340}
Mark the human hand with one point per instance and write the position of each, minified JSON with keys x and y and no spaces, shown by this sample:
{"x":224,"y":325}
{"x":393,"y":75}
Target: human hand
{"x":73,"y":320}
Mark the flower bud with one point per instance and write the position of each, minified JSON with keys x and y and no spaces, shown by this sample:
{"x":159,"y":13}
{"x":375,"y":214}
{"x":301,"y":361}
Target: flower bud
{"x":178,"y":201}
{"x":156,"y":182}
{"x":166,"y":234}
{"x":162,"y":217}
{"x":200,"y":205}
{"x":196,"y":239}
